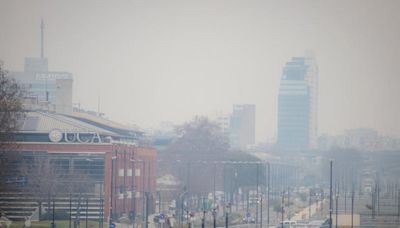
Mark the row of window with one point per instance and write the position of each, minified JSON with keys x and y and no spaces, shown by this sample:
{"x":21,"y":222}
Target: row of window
{"x":128,"y":195}
{"x":121,"y":172}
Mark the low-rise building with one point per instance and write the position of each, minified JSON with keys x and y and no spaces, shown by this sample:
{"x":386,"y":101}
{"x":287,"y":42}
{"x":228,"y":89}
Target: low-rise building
{"x":80,"y":164}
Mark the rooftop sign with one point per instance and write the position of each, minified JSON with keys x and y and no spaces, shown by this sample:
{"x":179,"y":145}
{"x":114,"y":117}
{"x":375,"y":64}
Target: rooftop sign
{"x":57,"y":136}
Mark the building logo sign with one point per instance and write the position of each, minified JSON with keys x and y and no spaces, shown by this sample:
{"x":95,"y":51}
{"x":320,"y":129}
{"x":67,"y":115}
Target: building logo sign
{"x":52,"y":76}
{"x":57,"y":135}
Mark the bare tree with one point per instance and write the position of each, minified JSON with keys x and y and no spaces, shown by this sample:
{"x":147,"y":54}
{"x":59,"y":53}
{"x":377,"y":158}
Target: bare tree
{"x":11,"y":111}
{"x":199,"y":139}
{"x":43,"y":179}
{"x":198,"y":145}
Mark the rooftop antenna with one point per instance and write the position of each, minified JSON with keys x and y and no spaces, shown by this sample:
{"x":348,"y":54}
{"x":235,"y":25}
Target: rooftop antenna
{"x":42,"y":39}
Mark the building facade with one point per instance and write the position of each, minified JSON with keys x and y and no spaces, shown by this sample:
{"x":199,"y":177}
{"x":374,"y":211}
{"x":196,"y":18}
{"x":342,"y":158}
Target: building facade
{"x":297,"y":104}
{"x":242,"y":126}
{"x":95,"y":168}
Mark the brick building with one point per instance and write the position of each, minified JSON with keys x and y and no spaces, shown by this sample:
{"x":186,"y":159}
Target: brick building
{"x":113,"y":162}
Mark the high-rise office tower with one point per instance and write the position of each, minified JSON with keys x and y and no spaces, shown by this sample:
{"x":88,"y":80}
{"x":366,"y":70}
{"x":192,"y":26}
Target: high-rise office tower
{"x":50,"y":89}
{"x":242,"y":126}
{"x":297,"y":104}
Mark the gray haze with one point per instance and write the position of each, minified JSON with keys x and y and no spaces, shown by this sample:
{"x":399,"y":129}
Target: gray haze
{"x":152,"y":61}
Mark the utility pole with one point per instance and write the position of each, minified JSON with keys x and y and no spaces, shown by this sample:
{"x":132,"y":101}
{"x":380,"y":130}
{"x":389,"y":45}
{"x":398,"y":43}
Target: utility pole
{"x":283,"y":206}
{"x":337,"y":206}
{"x":288,"y":203}
{"x":87,"y":211}
{"x":70,"y":209}
{"x":257,"y":193}
{"x":268,"y":191}
{"x":226,"y":219}
{"x":214,"y":218}
{"x":345,"y":199}
{"x":330,"y":196}
{"x":261,"y":211}
{"x":309,"y":205}
{"x":203,"y":220}
{"x":352,"y":205}
{"x":53,"y":224}
{"x":214,"y":206}
{"x":147,"y":210}
{"x":398,"y":205}
{"x":247,"y":204}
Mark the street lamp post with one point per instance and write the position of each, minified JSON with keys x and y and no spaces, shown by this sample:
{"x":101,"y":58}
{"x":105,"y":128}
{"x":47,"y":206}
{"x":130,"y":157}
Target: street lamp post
{"x":203,"y":220}
{"x":337,"y":208}
{"x":133,"y":193}
{"x":283,"y":205}
{"x":101,"y":216}
{"x":330,"y":196}
{"x":226,"y":218}
{"x":268,"y":192}
{"x":70,"y":209}
{"x":87,"y":211}
{"x":112,"y":189}
{"x":214,"y":213}
{"x":214,"y":217}
{"x":257,"y":193}
{"x":261,"y":210}
{"x":53,"y":224}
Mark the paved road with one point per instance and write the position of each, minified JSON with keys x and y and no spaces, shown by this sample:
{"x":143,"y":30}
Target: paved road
{"x":304,"y":214}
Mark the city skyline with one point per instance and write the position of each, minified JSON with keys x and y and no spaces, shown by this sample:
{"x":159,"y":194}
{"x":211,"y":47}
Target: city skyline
{"x":165,"y":75}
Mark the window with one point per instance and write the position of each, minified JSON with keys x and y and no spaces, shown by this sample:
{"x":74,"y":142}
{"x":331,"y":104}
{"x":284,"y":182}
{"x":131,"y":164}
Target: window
{"x":129,"y":172}
{"x":121,"y":172}
{"x":137,"y":172}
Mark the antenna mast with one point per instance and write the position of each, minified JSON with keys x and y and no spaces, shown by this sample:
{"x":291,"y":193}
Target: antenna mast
{"x":42,"y":39}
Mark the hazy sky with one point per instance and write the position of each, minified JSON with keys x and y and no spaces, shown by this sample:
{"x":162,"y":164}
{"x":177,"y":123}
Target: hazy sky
{"x":152,"y":61}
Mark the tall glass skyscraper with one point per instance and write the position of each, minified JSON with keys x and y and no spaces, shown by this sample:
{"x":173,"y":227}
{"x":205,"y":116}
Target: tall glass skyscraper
{"x":297,"y":104}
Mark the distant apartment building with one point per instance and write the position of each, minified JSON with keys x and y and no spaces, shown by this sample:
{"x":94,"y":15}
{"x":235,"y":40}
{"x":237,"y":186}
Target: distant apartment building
{"x":223,"y":122}
{"x":297,"y":104}
{"x":44,"y":88}
{"x":242,"y":125}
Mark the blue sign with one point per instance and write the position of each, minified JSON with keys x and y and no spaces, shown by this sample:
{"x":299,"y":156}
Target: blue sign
{"x":112,"y":225}
{"x":162,"y":216}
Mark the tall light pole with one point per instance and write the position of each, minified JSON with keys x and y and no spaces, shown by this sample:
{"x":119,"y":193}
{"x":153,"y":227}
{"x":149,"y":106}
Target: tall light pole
{"x":214,"y":206}
{"x":53,"y":224}
{"x":101,"y":206}
{"x":257,"y":196}
{"x":133,"y":160}
{"x":87,"y":211}
{"x":70,"y":209}
{"x":143,"y":193}
{"x":352,"y":205}
{"x":268,"y":192}
{"x":283,"y":207}
{"x":113,"y":158}
{"x":337,"y":206}
{"x":330,"y":196}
